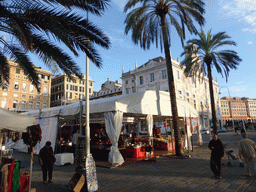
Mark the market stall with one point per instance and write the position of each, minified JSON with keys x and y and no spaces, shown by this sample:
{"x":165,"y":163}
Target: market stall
{"x":144,"y":107}
{"x":12,"y":179}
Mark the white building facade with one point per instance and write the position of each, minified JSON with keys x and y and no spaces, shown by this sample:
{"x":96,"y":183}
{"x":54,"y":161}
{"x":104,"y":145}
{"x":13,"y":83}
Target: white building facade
{"x":153,"y":76}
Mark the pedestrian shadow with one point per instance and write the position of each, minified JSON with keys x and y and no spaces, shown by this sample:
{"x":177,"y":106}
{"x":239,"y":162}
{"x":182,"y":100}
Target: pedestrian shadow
{"x":51,"y":187}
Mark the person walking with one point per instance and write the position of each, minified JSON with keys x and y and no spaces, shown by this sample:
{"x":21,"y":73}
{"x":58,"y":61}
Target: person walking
{"x":46,"y":160}
{"x":217,"y":152}
{"x":75,"y":142}
{"x":247,"y":151}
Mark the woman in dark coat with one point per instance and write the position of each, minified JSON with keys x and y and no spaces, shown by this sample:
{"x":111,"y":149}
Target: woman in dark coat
{"x":46,"y":160}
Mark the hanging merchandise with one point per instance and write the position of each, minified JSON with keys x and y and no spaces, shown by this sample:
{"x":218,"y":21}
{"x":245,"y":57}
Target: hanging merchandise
{"x":33,"y":135}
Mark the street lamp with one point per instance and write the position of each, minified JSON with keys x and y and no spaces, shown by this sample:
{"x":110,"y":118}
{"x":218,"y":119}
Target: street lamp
{"x":230,"y":107}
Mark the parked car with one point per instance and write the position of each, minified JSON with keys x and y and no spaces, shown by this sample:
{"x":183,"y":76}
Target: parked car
{"x":222,"y":129}
{"x":205,"y":130}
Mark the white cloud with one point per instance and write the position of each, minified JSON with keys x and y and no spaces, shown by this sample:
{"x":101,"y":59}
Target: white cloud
{"x":241,"y":9}
{"x":249,"y":42}
{"x":236,"y":89}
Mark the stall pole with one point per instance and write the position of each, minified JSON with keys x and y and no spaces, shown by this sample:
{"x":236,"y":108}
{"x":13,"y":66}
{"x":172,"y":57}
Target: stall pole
{"x":87,"y":130}
{"x":81,"y":116}
{"x":31,"y":166}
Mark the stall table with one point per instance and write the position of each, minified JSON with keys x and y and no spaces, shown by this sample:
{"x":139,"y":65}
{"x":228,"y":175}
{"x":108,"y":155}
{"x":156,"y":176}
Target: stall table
{"x":138,"y":152}
{"x":63,"y":158}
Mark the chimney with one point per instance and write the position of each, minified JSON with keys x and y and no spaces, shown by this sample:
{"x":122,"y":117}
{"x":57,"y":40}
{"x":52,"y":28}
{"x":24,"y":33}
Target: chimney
{"x":117,"y":81}
{"x":107,"y":79}
{"x":122,"y":69}
{"x":136,"y":65}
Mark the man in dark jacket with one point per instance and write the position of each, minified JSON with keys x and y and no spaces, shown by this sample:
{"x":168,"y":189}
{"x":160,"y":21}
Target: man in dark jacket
{"x":46,"y":160}
{"x":217,"y":148}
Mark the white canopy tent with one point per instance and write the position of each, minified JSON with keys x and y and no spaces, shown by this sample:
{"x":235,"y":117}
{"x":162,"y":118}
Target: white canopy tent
{"x":148,"y":103}
{"x":14,"y":121}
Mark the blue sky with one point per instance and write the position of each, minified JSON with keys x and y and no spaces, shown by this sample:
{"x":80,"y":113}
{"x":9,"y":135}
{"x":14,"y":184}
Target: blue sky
{"x":236,"y":17}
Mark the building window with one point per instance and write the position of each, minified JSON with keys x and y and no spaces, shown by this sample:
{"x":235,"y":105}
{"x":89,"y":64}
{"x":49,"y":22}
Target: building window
{"x":133,"y":89}
{"x":24,"y":96}
{"x":23,"y":105}
{"x":127,"y":90}
{"x":15,"y":95}
{"x":38,"y":90}
{"x":180,"y":92}
{"x":17,"y":71}
{"x":45,"y":90}
{"x":126,"y":82}
{"x":15,"y":104}
{"x":195,"y":104}
{"x":16,"y":86}
{"x":164,"y":75}
{"x":201,"y":105}
{"x":90,"y":90}
{"x":6,"y":85}
{"x":30,"y":105}
{"x":24,"y":87}
{"x":141,"y":80}
{"x":188,"y":94}
{"x":31,"y":89}
{"x":74,"y":81}
{"x":152,"y":77}
{"x":44,"y":105}
{"x":178,"y":75}
{"x":4,"y":103}
{"x":76,"y":88}
{"x":91,"y":83}
{"x":37,"y":105}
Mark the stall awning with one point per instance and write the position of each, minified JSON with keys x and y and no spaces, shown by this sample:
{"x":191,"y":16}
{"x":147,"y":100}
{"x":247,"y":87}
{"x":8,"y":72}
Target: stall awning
{"x":14,"y":121}
{"x":148,"y":102}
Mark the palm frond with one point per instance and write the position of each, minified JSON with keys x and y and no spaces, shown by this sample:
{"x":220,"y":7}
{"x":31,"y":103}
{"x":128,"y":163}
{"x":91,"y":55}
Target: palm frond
{"x":93,"y":6}
{"x":4,"y":69}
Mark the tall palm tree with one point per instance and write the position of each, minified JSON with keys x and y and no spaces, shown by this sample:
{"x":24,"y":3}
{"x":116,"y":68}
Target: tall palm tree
{"x":35,"y":25}
{"x":203,"y":53}
{"x":150,"y":22}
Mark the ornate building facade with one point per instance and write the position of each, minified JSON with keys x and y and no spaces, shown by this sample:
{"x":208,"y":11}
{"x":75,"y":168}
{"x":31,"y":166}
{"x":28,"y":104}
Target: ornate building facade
{"x":20,"y":94}
{"x":153,"y":76}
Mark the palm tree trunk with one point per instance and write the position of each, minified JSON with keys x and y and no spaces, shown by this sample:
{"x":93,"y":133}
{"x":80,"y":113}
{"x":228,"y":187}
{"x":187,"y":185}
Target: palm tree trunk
{"x":214,"y":120}
{"x":178,"y":149}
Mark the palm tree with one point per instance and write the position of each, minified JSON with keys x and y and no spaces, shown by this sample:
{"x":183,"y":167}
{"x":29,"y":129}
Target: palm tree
{"x":202,"y":54}
{"x":35,"y":25}
{"x":150,"y":22}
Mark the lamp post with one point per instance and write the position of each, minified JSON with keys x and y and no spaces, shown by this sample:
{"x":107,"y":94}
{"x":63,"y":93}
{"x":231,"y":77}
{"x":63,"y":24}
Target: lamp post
{"x":85,"y":177}
{"x":233,"y":126}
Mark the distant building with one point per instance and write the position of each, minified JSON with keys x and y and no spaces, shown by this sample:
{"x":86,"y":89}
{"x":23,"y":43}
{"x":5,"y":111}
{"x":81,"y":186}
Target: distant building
{"x":66,"y":90}
{"x":108,"y":85}
{"x":153,"y":76}
{"x":233,"y":107}
{"x":250,"y":108}
{"x":108,"y":89}
{"x":20,"y":94}
{"x":225,"y":110}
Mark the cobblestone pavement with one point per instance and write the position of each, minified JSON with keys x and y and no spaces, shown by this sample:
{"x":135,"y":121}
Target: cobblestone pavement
{"x":166,"y":174}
